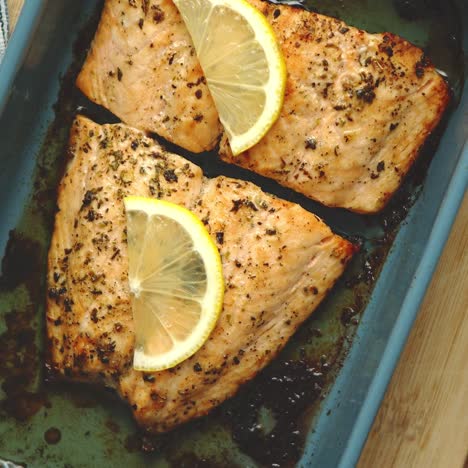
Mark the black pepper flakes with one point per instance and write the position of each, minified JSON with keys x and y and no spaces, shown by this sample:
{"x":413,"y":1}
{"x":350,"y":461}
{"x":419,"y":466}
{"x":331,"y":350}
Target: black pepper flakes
{"x":311,"y":143}
{"x":325,"y":90}
{"x":387,"y":50}
{"x":94,"y":316}
{"x":170,"y":175}
{"x":220,"y":237}
{"x":393,"y":126}
{"x":119,"y":74}
{"x":158,"y":14}
{"x":276,"y":13}
{"x":420,"y":66}
{"x":366,"y":93}
{"x":197,"y":367}
{"x":67,"y":303}
{"x":56,"y":293}
{"x":237,"y":204}
{"x":104,"y":351}
{"x":89,"y":196}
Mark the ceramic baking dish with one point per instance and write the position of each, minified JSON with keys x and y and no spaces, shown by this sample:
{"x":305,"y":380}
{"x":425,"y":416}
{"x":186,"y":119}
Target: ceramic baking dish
{"x":60,"y":425}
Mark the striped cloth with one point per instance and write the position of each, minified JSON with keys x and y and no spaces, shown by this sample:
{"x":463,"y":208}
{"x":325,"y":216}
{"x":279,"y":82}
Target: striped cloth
{"x":3,"y":27}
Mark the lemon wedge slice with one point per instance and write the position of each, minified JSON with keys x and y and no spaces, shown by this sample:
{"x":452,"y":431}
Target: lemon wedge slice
{"x":176,"y":282}
{"x":243,"y":65}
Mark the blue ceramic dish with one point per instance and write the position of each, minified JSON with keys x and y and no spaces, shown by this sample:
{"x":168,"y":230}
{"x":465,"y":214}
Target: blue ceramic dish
{"x":39,"y":52}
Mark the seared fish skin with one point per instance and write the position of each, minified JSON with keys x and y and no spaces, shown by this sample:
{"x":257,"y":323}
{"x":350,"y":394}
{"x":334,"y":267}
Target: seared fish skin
{"x":279,"y":261}
{"x":357,"y":109}
{"x":142,"y":66}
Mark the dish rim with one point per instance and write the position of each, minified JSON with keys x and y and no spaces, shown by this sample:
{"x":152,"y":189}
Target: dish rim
{"x":438,"y":237}
{"x":18,"y":46}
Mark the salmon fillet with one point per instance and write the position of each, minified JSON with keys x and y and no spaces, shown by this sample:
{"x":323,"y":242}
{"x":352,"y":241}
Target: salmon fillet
{"x":357,"y":109}
{"x":142,"y":66}
{"x":279,"y":261}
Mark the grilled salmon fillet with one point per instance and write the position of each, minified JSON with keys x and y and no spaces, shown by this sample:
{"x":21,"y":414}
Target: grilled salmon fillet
{"x":357,"y":109}
{"x":279,"y":261}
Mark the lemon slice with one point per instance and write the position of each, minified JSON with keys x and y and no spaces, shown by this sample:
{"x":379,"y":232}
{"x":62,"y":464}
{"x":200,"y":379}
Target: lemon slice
{"x":176,"y":282}
{"x":243,"y":65}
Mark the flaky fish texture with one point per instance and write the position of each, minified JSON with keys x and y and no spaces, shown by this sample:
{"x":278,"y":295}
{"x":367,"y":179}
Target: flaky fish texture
{"x":279,"y":261}
{"x":358,"y":106}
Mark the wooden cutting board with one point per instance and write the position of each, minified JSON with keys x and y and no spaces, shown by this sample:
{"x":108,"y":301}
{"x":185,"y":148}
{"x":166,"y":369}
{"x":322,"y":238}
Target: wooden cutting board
{"x":423,"y":421}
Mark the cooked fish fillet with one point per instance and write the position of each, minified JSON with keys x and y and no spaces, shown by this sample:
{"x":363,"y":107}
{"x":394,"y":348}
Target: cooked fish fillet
{"x":279,"y":261}
{"x":357,"y":109}
{"x":142,"y":66}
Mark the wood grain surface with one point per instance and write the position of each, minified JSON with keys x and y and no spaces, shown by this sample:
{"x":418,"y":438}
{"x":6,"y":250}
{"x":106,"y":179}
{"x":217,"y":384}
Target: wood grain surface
{"x":423,"y":420}
{"x":14,"y":9}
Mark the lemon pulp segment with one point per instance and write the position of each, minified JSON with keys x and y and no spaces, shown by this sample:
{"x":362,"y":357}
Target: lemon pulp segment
{"x":175,"y":279}
{"x":242,"y":63}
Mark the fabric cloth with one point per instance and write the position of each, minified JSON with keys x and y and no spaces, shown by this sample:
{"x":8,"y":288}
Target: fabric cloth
{"x":3,"y":27}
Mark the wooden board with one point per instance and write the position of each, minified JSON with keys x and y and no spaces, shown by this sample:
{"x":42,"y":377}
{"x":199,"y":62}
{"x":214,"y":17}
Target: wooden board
{"x":423,"y":421}
{"x":14,"y":9}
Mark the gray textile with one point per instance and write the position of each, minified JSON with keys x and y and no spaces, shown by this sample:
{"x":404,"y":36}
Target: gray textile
{"x":3,"y":27}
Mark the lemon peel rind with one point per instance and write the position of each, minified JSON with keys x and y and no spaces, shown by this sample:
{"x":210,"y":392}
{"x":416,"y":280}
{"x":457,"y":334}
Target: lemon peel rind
{"x":277,"y":80}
